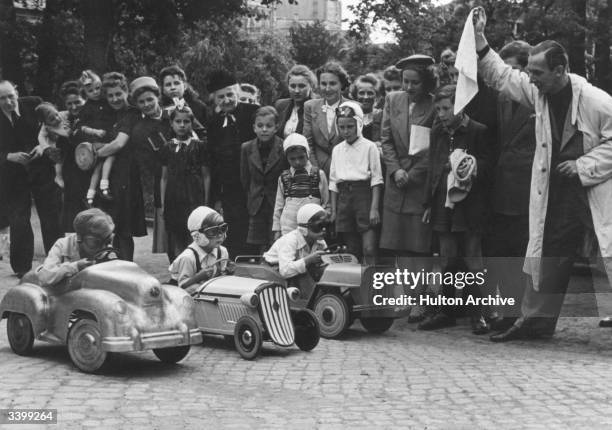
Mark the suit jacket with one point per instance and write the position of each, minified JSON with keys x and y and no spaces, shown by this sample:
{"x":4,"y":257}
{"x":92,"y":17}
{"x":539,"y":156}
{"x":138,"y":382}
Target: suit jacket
{"x":284,"y":107}
{"x":21,"y":137}
{"x":260,"y":181}
{"x":516,"y":137}
{"x":320,"y":140}
{"x":224,"y":145}
{"x":395,"y":141}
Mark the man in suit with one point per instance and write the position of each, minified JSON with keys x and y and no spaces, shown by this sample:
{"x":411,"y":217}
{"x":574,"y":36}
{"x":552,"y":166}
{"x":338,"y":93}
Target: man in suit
{"x":25,"y":173}
{"x":230,"y":125}
{"x":509,"y":228}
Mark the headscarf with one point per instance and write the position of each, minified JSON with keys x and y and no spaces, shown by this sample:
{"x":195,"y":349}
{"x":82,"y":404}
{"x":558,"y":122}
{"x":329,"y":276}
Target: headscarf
{"x":358,"y":116}
{"x":295,"y":139}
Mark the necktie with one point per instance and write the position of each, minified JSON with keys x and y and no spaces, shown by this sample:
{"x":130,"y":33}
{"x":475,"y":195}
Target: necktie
{"x":14,"y":118}
{"x":228,"y":119}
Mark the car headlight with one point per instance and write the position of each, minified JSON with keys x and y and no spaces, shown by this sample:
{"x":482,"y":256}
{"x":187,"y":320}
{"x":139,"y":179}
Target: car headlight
{"x":293,"y":293}
{"x":250,"y":299}
{"x":121,"y":307}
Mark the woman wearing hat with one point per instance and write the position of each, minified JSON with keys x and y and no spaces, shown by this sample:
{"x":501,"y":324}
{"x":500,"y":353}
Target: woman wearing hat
{"x":300,"y":81}
{"x":320,"y":114}
{"x":127,"y":207}
{"x":407,"y":119}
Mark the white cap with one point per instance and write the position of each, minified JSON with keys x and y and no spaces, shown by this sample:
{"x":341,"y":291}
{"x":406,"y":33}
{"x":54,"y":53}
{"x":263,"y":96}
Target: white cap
{"x":197,"y":216}
{"x":308,"y":211}
{"x":295,"y":139}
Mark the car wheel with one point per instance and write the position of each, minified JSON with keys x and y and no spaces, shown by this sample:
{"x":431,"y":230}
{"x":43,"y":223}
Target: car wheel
{"x":333,"y":314}
{"x":20,"y":333}
{"x":85,"y":346}
{"x":377,"y":325}
{"x":247,"y":337}
{"x":171,"y":355}
{"x":307,"y":332}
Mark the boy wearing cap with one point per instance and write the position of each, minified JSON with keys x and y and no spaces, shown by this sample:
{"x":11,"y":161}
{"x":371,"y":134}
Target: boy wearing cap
{"x":301,"y":184}
{"x":301,"y":248}
{"x":71,"y":254}
{"x":230,"y":125}
{"x":201,"y":260}
{"x":355,"y":182}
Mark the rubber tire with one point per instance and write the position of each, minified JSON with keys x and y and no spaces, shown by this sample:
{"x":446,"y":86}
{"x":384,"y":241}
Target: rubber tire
{"x":247,"y":350}
{"x":173,"y":354}
{"x":332,"y":305}
{"x":377,"y":325}
{"x":20,"y":333}
{"x":307,"y":332}
{"x":84,"y":332}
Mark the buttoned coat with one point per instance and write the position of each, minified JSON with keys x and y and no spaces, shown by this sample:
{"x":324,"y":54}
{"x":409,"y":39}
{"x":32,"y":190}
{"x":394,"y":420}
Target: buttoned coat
{"x":284,"y":108}
{"x":320,"y":140}
{"x":395,"y":140}
{"x":258,"y":181}
{"x":591,"y":113}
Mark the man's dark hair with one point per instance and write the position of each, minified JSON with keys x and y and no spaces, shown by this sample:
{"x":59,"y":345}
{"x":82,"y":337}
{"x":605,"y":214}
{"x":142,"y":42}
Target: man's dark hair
{"x":518,"y":49}
{"x":392,"y":73}
{"x":554,"y":53}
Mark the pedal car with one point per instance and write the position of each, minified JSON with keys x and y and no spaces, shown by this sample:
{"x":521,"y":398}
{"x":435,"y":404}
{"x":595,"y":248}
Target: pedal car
{"x":252,"y":311}
{"x":113,"y":306}
{"x":342,"y":293}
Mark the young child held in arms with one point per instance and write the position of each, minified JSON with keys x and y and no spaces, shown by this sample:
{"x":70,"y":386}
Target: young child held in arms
{"x":71,"y":254}
{"x":297,"y":186}
{"x":199,"y":262}
{"x":300,"y":249}
{"x":53,"y":127}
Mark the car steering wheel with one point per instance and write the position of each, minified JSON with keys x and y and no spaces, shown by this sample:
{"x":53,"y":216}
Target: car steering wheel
{"x":216,"y":263}
{"x":335,"y":248}
{"x":108,"y":253}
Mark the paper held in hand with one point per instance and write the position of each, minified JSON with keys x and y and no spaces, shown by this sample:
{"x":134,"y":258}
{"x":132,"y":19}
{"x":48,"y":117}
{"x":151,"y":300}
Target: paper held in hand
{"x":419,"y":139}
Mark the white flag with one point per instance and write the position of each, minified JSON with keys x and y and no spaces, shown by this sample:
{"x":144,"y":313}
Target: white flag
{"x":467,"y":65}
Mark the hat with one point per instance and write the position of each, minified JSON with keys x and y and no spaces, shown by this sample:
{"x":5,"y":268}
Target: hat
{"x":93,"y":222}
{"x":197,"y":217}
{"x":418,"y":60}
{"x":357,"y":114}
{"x":295,"y":139}
{"x":307,"y":211}
{"x":143,"y":82}
{"x":220,"y":79}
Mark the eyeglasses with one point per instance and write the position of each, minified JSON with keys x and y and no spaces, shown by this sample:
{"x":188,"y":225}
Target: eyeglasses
{"x":94,"y":242}
{"x":214,"y":231}
{"x":317,"y":226}
{"x":345,"y":112}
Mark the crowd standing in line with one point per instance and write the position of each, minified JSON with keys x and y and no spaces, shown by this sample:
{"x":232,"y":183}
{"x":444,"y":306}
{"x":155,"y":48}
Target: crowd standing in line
{"x":381,"y":164}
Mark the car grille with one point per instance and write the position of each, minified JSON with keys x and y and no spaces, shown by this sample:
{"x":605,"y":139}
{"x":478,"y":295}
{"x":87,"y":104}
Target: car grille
{"x":275,"y":314}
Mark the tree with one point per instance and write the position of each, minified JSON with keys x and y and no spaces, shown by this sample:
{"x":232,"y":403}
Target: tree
{"x":313,"y":44}
{"x":10,"y":63}
{"x":603,"y":72}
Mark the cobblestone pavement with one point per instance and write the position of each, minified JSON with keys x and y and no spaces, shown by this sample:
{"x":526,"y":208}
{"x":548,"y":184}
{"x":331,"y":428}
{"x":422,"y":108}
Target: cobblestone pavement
{"x":403,"y":379}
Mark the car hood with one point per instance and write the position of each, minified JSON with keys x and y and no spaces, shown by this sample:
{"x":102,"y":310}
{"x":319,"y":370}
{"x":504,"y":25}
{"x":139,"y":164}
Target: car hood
{"x":234,"y":286}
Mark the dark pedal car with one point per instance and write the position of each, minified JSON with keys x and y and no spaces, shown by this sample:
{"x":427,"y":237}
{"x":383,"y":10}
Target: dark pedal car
{"x":252,"y":311}
{"x":113,"y":306}
{"x":339,"y":293}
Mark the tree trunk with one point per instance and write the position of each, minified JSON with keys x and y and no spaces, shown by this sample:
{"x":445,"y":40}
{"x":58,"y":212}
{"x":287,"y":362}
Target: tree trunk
{"x":577,"y":42}
{"x":99,"y":29}
{"x":10,"y":63}
{"x":602,"y":48}
{"x":47,"y":51}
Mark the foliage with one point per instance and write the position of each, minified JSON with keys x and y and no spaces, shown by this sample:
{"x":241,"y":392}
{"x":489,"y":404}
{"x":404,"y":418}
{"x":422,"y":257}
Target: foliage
{"x":314,"y":45}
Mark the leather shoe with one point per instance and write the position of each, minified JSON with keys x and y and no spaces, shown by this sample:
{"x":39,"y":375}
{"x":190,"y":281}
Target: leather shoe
{"x":439,"y":320}
{"x":479,"y":325}
{"x":502,"y":324}
{"x":606,"y":322}
{"x":513,"y":333}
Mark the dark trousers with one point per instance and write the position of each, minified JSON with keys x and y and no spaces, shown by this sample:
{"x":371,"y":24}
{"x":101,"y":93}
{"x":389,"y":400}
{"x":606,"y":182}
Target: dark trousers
{"x":47,"y":198}
{"x":505,"y":248}
{"x":236,"y":216}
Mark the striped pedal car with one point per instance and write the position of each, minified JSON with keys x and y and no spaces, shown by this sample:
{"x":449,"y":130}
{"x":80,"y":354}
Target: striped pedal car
{"x":252,"y":311}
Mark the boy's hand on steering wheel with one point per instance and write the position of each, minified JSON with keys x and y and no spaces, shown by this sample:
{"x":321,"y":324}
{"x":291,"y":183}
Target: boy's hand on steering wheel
{"x":83,"y":263}
{"x":314,"y":258}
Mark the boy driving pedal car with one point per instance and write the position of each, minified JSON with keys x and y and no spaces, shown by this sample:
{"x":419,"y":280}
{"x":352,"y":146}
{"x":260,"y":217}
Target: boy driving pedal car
{"x":300,"y":250}
{"x":205,"y":258}
{"x":73,"y":253}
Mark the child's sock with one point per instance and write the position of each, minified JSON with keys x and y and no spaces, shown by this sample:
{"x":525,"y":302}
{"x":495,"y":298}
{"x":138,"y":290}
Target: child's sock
{"x":91,"y":194}
{"x":104,"y":184}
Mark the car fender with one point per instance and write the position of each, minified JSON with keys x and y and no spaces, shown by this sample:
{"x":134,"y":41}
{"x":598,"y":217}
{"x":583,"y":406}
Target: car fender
{"x":100,"y":304}
{"x":30,"y":300}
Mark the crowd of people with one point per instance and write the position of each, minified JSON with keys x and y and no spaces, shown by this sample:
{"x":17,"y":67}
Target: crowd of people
{"x":381,"y":163}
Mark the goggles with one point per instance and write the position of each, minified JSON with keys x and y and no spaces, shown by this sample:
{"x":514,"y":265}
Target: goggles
{"x":317,"y":226}
{"x":214,"y":231}
{"x":94,"y":242}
